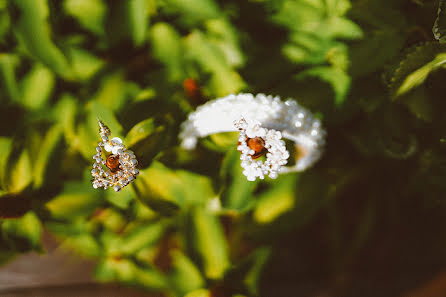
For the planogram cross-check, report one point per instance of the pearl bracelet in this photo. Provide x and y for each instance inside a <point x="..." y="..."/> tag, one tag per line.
<point x="262" y="122"/>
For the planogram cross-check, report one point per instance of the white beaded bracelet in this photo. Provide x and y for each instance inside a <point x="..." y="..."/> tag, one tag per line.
<point x="262" y="121"/>
<point x="120" y="166"/>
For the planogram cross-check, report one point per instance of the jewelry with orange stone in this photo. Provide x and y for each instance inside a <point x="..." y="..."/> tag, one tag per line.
<point x="262" y="121"/>
<point x="119" y="168"/>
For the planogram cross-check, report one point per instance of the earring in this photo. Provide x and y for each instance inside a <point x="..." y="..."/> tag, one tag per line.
<point x="119" y="167"/>
<point x="262" y="122"/>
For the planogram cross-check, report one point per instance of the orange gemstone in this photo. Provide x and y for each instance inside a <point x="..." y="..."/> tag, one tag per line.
<point x="258" y="145"/>
<point x="112" y="163"/>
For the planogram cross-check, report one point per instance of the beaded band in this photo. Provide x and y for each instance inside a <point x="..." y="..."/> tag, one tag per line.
<point x="120" y="165"/>
<point x="246" y="112"/>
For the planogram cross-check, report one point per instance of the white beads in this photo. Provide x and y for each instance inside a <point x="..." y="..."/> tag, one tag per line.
<point x="288" y="119"/>
<point x="275" y="158"/>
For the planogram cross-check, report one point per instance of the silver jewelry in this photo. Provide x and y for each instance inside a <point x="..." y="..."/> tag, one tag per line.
<point x="261" y="117"/>
<point x="119" y="168"/>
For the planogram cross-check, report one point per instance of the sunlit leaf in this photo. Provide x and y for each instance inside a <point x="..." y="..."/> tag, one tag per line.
<point x="163" y="189"/>
<point x="280" y="198"/>
<point x="37" y="87"/>
<point x="194" y="11"/>
<point x="47" y="163"/>
<point x="419" y="76"/>
<point x="112" y="269"/>
<point x="136" y="239"/>
<point x="65" y="113"/>
<point x="168" y="49"/>
<point x="23" y="234"/>
<point x="32" y="29"/>
<point x="76" y="200"/>
<point x="127" y="21"/>
<point x="5" y="149"/>
<point x="199" y="293"/>
<point x="85" y="65"/>
<point x="21" y="174"/>
<point x="89" y="13"/>
<point x="237" y="191"/>
<point x="184" y="275"/>
<point x="206" y="238"/>
<point x="224" y="79"/>
<point x="414" y="68"/>
<point x="8" y="65"/>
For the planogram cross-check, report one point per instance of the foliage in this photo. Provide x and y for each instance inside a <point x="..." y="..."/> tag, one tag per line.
<point x="191" y="225"/>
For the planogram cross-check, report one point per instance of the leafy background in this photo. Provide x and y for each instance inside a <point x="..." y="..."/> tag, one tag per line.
<point x="367" y="220"/>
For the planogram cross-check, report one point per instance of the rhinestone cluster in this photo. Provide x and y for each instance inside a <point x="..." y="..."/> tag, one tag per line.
<point x="292" y="120"/>
<point x="276" y="153"/>
<point x="119" y="169"/>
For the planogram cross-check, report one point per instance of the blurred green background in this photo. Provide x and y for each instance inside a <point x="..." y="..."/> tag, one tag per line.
<point x="367" y="220"/>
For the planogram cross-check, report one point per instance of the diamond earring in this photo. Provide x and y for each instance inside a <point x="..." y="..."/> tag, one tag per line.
<point x="119" y="167"/>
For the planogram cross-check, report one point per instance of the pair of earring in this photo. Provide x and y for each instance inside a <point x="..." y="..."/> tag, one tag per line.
<point x="262" y="121"/>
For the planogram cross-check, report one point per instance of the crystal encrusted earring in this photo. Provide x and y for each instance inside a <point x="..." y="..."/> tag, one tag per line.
<point x="262" y="122"/>
<point x="119" y="167"/>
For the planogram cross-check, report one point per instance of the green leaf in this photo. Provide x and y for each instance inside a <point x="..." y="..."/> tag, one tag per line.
<point x="21" y="175"/>
<point x="338" y="79"/>
<point x="112" y="95"/>
<point x="439" y="28"/>
<point x="414" y="68"/>
<point x="199" y="293"/>
<point x="247" y="273"/>
<point x="163" y="189"/>
<point x="184" y="276"/>
<point x="148" y="138"/>
<point x="279" y="199"/>
<point x="8" y="63"/>
<point x="237" y="194"/>
<point x="126" y="271"/>
<point x="207" y="240"/>
<point x="419" y="76"/>
<point x="89" y="13"/>
<point x="84" y="244"/>
<point x="77" y="200"/>
<point x="5" y="149"/>
<point x="140" y="131"/>
<point x="212" y="60"/>
<point x="65" y="113"/>
<point x="168" y="49"/>
<point x="193" y="11"/>
<point x="224" y="36"/>
<point x="127" y="21"/>
<point x="23" y="234"/>
<point x="419" y="104"/>
<point x="32" y="30"/>
<point x="221" y="142"/>
<point x="37" y="87"/>
<point x="136" y="239"/>
<point x="85" y="64"/>
<point x="121" y="199"/>
<point x="47" y="162"/>
<point x="383" y="40"/>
